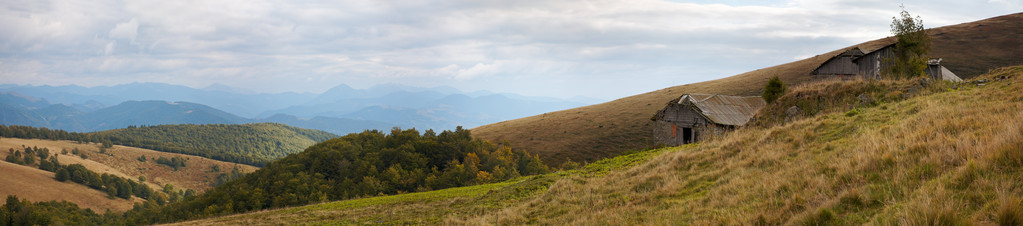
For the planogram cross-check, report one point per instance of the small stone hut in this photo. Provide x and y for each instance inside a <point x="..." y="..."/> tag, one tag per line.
<point x="696" y="117"/>
<point x="936" y="71"/>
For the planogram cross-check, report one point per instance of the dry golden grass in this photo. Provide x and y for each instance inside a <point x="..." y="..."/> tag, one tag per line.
<point x="123" y="161"/>
<point x="942" y="158"/>
<point x="603" y="130"/>
<point x="37" y="186"/>
<point x="971" y="49"/>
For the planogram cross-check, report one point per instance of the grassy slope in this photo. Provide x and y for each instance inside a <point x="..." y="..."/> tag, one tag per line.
<point x="38" y="185"/>
<point x="123" y="161"/>
<point x="951" y="156"/>
<point x="430" y="207"/>
<point x="608" y="129"/>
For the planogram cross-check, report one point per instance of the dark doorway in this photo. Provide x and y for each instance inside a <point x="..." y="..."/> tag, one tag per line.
<point x="687" y="135"/>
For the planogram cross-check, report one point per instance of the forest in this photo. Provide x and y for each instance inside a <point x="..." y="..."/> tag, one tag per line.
<point x="361" y="165"/>
<point x="250" y="144"/>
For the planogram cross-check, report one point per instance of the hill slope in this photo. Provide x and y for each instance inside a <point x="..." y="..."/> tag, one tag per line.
<point x="359" y="165"/>
<point x="35" y="184"/>
<point x="948" y="158"/>
<point x="38" y="185"/>
<point x="254" y="144"/>
<point x="157" y="113"/>
<point x="608" y="129"/>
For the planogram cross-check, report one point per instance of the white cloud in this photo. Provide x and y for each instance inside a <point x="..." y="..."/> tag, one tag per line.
<point x="555" y="47"/>
<point x="127" y="30"/>
<point x="109" y="49"/>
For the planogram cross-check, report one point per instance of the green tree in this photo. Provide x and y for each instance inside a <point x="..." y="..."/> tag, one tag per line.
<point x="774" y="89"/>
<point x="77" y="176"/>
<point x="911" y="48"/>
<point x="62" y="175"/>
<point x="124" y="189"/>
<point x="111" y="191"/>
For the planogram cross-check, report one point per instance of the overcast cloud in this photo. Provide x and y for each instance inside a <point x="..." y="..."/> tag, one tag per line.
<point x="602" y="49"/>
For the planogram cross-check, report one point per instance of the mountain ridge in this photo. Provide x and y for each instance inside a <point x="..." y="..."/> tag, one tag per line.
<point x="338" y="110"/>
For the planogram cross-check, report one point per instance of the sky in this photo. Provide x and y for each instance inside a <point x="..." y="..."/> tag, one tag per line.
<point x="598" y="49"/>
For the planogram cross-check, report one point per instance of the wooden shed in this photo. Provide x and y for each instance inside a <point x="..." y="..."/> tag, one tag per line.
<point x="871" y="64"/>
<point x="695" y="117"/>
<point x="841" y="66"/>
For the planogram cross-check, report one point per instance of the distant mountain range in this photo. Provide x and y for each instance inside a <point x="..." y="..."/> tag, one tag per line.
<point x="340" y="110"/>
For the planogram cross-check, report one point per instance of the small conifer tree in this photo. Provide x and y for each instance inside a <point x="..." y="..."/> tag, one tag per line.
<point x="774" y="89"/>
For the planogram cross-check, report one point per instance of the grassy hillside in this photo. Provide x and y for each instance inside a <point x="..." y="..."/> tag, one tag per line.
<point x="608" y="129"/>
<point x="37" y="185"/>
<point x="943" y="156"/>
<point x="254" y="144"/>
<point x="197" y="174"/>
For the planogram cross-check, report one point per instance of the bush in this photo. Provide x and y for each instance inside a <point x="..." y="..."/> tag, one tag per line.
<point x="62" y="175"/>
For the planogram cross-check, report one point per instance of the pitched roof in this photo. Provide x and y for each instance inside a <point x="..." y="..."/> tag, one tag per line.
<point x="851" y="53"/>
<point x="725" y="110"/>
<point x="878" y="50"/>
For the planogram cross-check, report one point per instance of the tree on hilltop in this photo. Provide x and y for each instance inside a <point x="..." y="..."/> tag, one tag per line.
<point x="911" y="48"/>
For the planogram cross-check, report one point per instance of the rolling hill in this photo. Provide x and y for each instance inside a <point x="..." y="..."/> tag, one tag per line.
<point x="603" y="130"/>
<point x="157" y="113"/>
<point x="17" y="109"/>
<point x="254" y="144"/>
<point x="59" y="116"/>
<point x="38" y="185"/>
<point x="93" y="98"/>
<point x="359" y="165"/>
<point x="947" y="154"/>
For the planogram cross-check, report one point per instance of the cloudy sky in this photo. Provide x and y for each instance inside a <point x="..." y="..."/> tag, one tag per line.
<point x="601" y="49"/>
